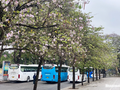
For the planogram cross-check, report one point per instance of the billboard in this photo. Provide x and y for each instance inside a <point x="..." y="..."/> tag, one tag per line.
<point x="5" y="67"/>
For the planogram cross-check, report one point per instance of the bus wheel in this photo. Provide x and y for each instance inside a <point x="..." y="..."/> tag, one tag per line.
<point x="28" y="79"/>
<point x="48" y="81"/>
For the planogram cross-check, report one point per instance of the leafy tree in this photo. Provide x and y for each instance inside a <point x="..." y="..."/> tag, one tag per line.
<point x="28" y="25"/>
<point x="113" y="40"/>
<point x="6" y="56"/>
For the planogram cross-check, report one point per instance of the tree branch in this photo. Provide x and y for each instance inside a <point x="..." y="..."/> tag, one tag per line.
<point x="7" y="4"/>
<point x="35" y="27"/>
<point x="13" y="49"/>
<point x="19" y="8"/>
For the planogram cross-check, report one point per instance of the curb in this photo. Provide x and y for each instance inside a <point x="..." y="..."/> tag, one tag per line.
<point x="1" y="81"/>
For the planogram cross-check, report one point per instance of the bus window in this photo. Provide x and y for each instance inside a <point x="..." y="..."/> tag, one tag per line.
<point x="56" y="69"/>
<point x="28" y="69"/>
<point x="71" y="69"/>
<point x="13" y="67"/>
<point x="22" y="69"/>
<point x="48" y="67"/>
<point x="63" y="69"/>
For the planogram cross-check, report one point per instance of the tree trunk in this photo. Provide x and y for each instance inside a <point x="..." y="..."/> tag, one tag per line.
<point x="99" y="74"/>
<point x="38" y="69"/>
<point x="88" y="76"/>
<point x="20" y="51"/>
<point x="59" y="74"/>
<point x="103" y="72"/>
<point x="81" y="72"/>
<point x="73" y="74"/>
<point x="2" y="45"/>
<point x="14" y="56"/>
<point x="25" y="60"/>
<point x="96" y="74"/>
<point x="93" y="74"/>
<point x="19" y="57"/>
<point x="73" y="77"/>
<point x="82" y="77"/>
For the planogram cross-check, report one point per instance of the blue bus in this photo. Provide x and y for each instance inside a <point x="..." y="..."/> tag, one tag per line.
<point x="49" y="73"/>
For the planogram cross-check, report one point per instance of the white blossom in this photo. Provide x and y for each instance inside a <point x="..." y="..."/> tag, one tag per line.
<point x="49" y="34"/>
<point x="54" y="1"/>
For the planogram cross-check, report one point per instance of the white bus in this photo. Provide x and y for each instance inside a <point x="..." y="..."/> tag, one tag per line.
<point x="22" y="72"/>
<point x="78" y="75"/>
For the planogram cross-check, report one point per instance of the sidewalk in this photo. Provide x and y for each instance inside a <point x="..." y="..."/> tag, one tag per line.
<point x="0" y="77"/>
<point x="108" y="83"/>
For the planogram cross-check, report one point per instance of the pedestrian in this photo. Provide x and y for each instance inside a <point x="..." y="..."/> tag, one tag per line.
<point x="34" y="78"/>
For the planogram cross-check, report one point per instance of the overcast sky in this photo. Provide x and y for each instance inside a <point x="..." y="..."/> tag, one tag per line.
<point x="106" y="13"/>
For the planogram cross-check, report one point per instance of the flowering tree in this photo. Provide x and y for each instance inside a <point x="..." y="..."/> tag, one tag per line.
<point x="28" y="24"/>
<point x="17" y="15"/>
<point x="87" y="46"/>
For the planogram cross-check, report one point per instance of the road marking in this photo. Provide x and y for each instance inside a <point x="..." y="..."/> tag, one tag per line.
<point x="113" y="84"/>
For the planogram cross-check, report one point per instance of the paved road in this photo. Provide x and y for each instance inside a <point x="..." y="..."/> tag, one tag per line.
<point x="109" y="83"/>
<point x="41" y="85"/>
<point x="29" y="85"/>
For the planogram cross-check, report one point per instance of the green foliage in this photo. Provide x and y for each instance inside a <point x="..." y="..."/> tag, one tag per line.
<point x="118" y="56"/>
<point x="5" y="57"/>
<point x="53" y="32"/>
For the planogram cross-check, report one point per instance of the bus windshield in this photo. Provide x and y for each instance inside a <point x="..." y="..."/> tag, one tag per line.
<point x="48" y="67"/>
<point x="13" y="67"/>
<point x="71" y="69"/>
